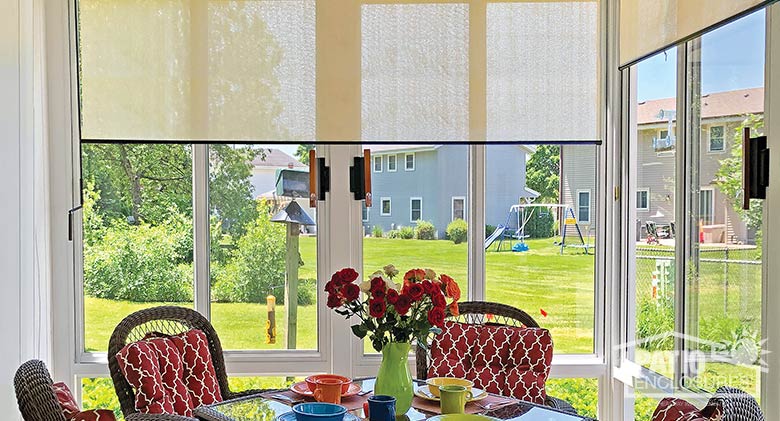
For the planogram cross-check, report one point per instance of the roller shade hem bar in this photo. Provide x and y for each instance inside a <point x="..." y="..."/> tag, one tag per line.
<point x="698" y="34"/>
<point x="340" y="142"/>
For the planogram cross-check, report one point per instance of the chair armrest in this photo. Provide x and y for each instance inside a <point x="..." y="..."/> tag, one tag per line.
<point x="158" y="417"/>
<point x="560" y="404"/>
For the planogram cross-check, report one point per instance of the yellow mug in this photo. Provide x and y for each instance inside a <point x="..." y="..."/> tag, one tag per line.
<point x="454" y="398"/>
<point x="328" y="390"/>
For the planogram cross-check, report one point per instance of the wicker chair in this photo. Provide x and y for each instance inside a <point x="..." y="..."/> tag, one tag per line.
<point x="34" y="393"/>
<point x="475" y="313"/>
<point x="168" y="320"/>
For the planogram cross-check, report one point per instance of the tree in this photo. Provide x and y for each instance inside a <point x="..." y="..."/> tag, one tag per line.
<point x="543" y="172"/>
<point x="728" y="178"/>
<point x="302" y="153"/>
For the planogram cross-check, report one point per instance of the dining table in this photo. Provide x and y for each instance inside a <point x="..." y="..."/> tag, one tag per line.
<point x="267" y="406"/>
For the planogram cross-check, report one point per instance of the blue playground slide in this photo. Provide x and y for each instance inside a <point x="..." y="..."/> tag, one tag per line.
<point x="497" y="233"/>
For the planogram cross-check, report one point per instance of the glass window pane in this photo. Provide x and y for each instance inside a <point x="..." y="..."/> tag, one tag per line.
<point x="137" y="233"/>
<point x="99" y="393"/>
<point x="172" y="69"/>
<point x="415" y="71"/>
<point x="652" y="242"/>
<point x="582" y="394"/>
<point x="430" y="240"/>
<point x="538" y="252"/>
<point x="542" y="70"/>
<point x="256" y="263"/>
<point x="725" y="272"/>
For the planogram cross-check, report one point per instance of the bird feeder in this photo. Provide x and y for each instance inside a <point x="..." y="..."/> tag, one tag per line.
<point x="293" y="216"/>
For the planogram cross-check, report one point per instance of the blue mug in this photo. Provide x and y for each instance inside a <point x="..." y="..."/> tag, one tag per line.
<point x="381" y="408"/>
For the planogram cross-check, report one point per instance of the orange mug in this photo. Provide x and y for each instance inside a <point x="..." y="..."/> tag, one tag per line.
<point x="328" y="390"/>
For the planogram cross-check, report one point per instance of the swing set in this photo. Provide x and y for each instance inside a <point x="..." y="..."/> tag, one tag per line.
<point x="523" y="213"/>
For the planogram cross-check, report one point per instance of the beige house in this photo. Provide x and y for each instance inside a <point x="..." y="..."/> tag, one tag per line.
<point x="721" y="113"/>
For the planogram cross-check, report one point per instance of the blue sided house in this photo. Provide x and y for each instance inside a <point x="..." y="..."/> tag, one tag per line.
<point x="430" y="182"/>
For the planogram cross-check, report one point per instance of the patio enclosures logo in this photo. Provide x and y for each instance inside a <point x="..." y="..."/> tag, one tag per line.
<point x="705" y="365"/>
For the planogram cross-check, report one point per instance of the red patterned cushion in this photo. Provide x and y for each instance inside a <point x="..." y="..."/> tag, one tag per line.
<point x="513" y="361"/>
<point x="66" y="400"/>
<point x="95" y="415"/>
<point x="673" y="409"/>
<point x="199" y="374"/>
<point x="140" y="364"/>
<point x="172" y="375"/>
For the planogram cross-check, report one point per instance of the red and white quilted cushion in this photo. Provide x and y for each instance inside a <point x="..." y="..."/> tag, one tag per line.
<point x="66" y="400"/>
<point x="172" y="375"/>
<point x="140" y="364"/>
<point x="95" y="415"/>
<point x="512" y="361"/>
<point x="674" y="409"/>
<point x="199" y="375"/>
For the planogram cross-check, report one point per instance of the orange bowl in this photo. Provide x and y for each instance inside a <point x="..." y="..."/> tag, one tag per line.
<point x="311" y="381"/>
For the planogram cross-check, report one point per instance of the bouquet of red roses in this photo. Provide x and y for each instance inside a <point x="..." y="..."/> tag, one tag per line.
<point x="391" y="312"/>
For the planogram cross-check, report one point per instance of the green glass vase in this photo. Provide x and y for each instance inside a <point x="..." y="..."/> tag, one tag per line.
<point x="394" y="377"/>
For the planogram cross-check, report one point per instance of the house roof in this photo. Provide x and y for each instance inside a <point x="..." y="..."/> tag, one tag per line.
<point x="276" y="158"/>
<point x="718" y="104"/>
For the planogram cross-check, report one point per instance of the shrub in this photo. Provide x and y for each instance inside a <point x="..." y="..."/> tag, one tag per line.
<point x="406" y="233"/>
<point x="425" y="230"/>
<point x="655" y="319"/>
<point x="258" y="265"/>
<point x="457" y="231"/>
<point x="377" y="231"/>
<point x="540" y="225"/>
<point x="307" y="292"/>
<point x="393" y="234"/>
<point x="140" y="263"/>
<point x="489" y="229"/>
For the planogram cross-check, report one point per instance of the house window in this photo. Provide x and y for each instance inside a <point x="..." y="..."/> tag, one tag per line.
<point x="392" y="163"/>
<point x="365" y="212"/>
<point x="643" y="200"/>
<point x="378" y="163"/>
<point x="664" y="142"/>
<point x="409" y="162"/>
<point x="458" y="208"/>
<point x="583" y="206"/>
<point x="385" y="206"/>
<point x="706" y="206"/>
<point x="415" y="209"/>
<point x="717" y="141"/>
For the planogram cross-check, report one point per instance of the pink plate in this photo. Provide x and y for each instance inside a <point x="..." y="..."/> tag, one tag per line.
<point x="302" y="389"/>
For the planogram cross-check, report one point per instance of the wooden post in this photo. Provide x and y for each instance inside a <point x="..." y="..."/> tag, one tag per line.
<point x="291" y="284"/>
<point x="270" y="325"/>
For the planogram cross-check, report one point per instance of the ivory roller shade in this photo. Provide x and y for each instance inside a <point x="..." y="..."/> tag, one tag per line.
<point x="649" y="26"/>
<point x="367" y="71"/>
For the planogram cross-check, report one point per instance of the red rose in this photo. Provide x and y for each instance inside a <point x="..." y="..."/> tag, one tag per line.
<point x="331" y="287"/>
<point x="428" y="287"/>
<point x="378" y="293"/>
<point x="392" y="296"/>
<point x="351" y="292"/>
<point x="451" y="288"/>
<point x="403" y="304"/>
<point x="438" y="300"/>
<point x="436" y="316"/>
<point x="334" y="301"/>
<point x="415" y="291"/>
<point x="377" y="284"/>
<point x="349" y="275"/>
<point x="414" y="275"/>
<point x="376" y="308"/>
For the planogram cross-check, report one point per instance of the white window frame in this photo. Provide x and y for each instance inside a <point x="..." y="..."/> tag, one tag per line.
<point x="411" y="209"/>
<point x="647" y="208"/>
<point x="452" y="207"/>
<point x="709" y="139"/>
<point x="393" y="168"/>
<point x="382" y="206"/>
<point x="711" y="192"/>
<point x="380" y="161"/>
<point x="338" y="251"/>
<point x="406" y="161"/>
<point x="590" y="207"/>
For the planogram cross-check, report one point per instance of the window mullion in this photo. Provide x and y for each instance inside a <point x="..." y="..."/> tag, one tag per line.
<point x="200" y="223"/>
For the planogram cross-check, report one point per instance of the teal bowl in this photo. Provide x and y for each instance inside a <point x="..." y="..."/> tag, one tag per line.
<point x="319" y="411"/>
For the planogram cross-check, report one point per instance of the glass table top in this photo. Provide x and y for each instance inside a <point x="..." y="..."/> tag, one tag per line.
<point x="259" y="408"/>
